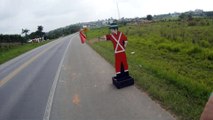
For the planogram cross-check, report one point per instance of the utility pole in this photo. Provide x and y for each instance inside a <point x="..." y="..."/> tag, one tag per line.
<point x="118" y="9"/>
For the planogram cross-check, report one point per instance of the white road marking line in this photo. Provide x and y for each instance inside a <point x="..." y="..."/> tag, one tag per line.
<point x="22" y="66"/>
<point x="53" y="88"/>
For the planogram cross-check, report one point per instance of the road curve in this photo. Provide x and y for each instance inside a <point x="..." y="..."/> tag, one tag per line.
<point x="26" y="81"/>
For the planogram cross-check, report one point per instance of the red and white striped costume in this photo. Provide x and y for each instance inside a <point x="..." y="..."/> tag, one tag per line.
<point x="118" y="41"/>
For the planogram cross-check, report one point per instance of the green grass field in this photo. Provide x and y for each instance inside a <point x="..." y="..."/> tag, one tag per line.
<point x="173" y="62"/>
<point x="9" y="53"/>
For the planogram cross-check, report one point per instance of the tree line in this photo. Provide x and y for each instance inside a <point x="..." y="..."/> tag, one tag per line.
<point x="17" y="38"/>
<point x="8" y="41"/>
<point x="11" y="38"/>
<point x="63" y="31"/>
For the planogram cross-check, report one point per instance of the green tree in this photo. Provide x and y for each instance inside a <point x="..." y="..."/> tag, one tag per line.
<point x="25" y="32"/>
<point x="40" y="28"/>
<point x="185" y="16"/>
<point x="149" y="17"/>
<point x="189" y="17"/>
<point x="39" y="31"/>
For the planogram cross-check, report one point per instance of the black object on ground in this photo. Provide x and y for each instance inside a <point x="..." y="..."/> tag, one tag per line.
<point x="123" y="82"/>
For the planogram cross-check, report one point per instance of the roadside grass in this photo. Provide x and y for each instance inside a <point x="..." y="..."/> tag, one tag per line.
<point x="172" y="62"/>
<point x="10" y="53"/>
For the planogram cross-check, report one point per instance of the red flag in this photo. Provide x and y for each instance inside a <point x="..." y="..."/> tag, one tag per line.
<point x="82" y="37"/>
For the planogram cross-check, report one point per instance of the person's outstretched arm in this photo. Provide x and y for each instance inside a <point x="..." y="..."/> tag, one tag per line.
<point x="103" y="38"/>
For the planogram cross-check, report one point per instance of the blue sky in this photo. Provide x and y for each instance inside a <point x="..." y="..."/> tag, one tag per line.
<point x="52" y="14"/>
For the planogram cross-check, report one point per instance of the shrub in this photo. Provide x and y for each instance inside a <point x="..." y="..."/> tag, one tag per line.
<point x="172" y="47"/>
<point x="192" y="23"/>
<point x="210" y="55"/>
<point x="194" y="50"/>
<point x="204" y="43"/>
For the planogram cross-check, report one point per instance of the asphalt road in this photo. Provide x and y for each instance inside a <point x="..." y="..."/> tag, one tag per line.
<point x="67" y="80"/>
<point x="25" y="81"/>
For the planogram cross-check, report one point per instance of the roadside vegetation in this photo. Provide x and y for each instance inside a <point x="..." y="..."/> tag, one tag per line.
<point x="15" y="45"/>
<point x="171" y="60"/>
<point x="16" y="50"/>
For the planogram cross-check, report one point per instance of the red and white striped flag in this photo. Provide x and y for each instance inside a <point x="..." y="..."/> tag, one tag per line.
<point x="82" y="37"/>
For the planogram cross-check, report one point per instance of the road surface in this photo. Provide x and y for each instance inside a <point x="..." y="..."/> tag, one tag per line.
<point x="66" y="80"/>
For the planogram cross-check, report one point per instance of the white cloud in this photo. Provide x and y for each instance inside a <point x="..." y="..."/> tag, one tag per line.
<point x="18" y="14"/>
